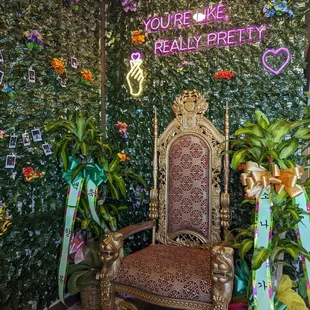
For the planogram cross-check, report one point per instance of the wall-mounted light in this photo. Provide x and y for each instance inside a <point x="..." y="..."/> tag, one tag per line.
<point x="135" y="76"/>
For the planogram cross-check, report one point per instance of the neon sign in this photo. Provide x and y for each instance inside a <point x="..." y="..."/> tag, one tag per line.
<point x="274" y="53"/>
<point x="212" y="14"/>
<point x="135" y="75"/>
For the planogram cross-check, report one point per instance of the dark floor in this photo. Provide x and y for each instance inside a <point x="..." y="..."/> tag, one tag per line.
<point x="141" y="305"/>
<point x="145" y="306"/>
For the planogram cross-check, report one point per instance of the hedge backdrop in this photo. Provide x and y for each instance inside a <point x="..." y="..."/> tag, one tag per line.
<point x="30" y="249"/>
<point x="253" y="87"/>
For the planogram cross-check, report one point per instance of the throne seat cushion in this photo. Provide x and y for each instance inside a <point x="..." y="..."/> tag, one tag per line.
<point x="169" y="271"/>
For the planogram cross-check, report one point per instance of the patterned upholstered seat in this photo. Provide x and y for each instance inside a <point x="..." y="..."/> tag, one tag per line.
<point x="170" y="271"/>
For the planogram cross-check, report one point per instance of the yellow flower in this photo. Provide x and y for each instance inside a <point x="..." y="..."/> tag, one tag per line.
<point x="123" y="157"/>
<point x="87" y="75"/>
<point x="58" y="65"/>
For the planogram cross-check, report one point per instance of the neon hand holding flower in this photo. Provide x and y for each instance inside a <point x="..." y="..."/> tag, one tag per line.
<point x="135" y="76"/>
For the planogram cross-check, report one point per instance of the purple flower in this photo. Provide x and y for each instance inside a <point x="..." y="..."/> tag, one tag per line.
<point x="129" y="5"/>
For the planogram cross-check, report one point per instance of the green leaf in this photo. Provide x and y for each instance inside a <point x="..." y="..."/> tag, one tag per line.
<point x="77" y="170"/>
<point x="290" y="149"/>
<point x="80" y="125"/>
<point x="72" y="268"/>
<point x="73" y="287"/>
<point x="294" y="213"/>
<point x="246" y="245"/>
<point x="302" y="287"/>
<point x="276" y="251"/>
<point x="243" y="131"/>
<point x="259" y="257"/>
<point x="279" y="129"/>
<point x="238" y="158"/>
<point x="261" y="119"/>
<point x="301" y="133"/>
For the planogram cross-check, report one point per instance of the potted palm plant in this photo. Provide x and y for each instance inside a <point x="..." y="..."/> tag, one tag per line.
<point x="83" y="153"/>
<point x="267" y="146"/>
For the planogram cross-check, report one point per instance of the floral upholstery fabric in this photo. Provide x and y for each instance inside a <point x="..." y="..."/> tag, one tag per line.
<point x="169" y="271"/>
<point x="188" y="185"/>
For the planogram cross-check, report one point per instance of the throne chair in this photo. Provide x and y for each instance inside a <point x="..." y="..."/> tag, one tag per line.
<point x="187" y="266"/>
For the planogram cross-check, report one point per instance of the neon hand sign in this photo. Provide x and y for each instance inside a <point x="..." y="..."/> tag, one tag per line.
<point x="135" y="76"/>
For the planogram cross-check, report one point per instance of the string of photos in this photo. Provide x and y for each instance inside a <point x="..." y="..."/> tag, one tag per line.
<point x="58" y="65"/>
<point x="36" y="135"/>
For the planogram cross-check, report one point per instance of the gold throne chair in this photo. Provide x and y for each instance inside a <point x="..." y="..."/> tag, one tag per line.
<point x="187" y="266"/>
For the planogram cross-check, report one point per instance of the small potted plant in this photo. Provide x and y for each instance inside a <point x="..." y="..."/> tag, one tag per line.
<point x="265" y="153"/>
<point x="85" y="155"/>
<point x="83" y="277"/>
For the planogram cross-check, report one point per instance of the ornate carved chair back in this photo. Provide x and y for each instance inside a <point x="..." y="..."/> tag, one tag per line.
<point x="188" y="165"/>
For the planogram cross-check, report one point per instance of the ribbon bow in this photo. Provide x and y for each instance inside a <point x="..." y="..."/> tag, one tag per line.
<point x="287" y="180"/>
<point x="94" y="173"/>
<point x="288" y="296"/>
<point x="67" y="175"/>
<point x="255" y="178"/>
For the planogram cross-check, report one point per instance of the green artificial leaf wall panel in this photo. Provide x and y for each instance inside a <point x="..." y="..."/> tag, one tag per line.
<point x="253" y="87"/>
<point x="29" y="250"/>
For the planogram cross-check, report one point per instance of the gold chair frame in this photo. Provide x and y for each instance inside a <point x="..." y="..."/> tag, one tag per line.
<point x="189" y="109"/>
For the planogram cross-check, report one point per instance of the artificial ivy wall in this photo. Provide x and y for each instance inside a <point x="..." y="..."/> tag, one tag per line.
<point x="29" y="250"/>
<point x="252" y="87"/>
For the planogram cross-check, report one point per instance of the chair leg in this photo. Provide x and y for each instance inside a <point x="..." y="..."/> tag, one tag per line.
<point x="121" y="304"/>
<point x="111" y="255"/>
<point x="107" y="295"/>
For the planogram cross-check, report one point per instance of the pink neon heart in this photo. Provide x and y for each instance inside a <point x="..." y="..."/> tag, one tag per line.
<point x="276" y="52"/>
<point x="135" y="56"/>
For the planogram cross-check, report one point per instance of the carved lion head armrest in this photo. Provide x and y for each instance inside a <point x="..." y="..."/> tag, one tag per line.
<point x="111" y="254"/>
<point x="222" y="266"/>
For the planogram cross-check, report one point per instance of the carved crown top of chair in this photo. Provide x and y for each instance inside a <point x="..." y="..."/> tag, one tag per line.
<point x="190" y="102"/>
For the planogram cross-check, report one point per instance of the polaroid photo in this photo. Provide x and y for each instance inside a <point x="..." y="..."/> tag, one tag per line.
<point x="74" y="63"/>
<point x="62" y="81"/>
<point x="1" y="76"/>
<point x="10" y="161"/>
<point x="36" y="135"/>
<point x="31" y="75"/>
<point x="46" y="149"/>
<point x="13" y="141"/>
<point x="26" y="139"/>
<point x="1" y="57"/>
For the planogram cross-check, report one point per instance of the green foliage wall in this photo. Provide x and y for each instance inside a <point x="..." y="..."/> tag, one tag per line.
<point x="29" y="251"/>
<point x="252" y="88"/>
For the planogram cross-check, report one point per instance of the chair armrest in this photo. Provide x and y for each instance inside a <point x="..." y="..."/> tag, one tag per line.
<point x="111" y="248"/>
<point x="222" y="270"/>
<point x="133" y="229"/>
